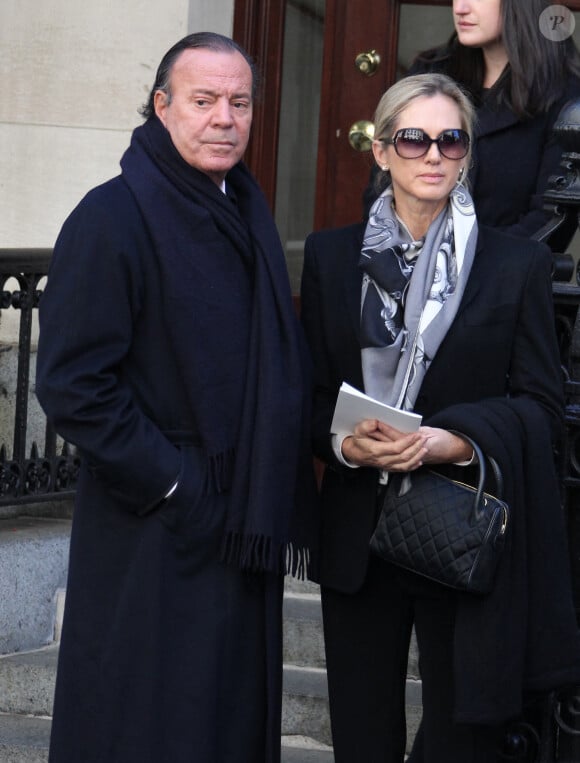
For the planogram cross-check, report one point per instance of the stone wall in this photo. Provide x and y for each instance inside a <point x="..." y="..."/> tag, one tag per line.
<point x="73" y="76"/>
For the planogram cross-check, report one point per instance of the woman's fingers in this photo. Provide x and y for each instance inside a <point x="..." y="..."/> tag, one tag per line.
<point x="371" y="445"/>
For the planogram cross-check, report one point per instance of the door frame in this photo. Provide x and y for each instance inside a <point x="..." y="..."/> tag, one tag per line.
<point x="259" y="29"/>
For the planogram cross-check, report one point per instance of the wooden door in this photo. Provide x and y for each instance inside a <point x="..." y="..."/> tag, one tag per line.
<point x="349" y="95"/>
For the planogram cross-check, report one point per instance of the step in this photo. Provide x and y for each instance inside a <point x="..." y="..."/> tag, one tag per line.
<point x="24" y="739"/>
<point x="33" y="568"/>
<point x="27" y="686"/>
<point x="303" y="633"/>
<point x="305" y="703"/>
<point x="305" y="700"/>
<point x="300" y="749"/>
<point x="295" y="585"/>
<point x="27" y="681"/>
<point x="413" y="710"/>
<point x="303" y="637"/>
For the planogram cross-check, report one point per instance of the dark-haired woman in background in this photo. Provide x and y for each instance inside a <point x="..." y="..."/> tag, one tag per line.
<point x="518" y="80"/>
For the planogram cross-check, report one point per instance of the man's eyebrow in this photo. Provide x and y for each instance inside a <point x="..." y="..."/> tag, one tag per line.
<point x="208" y="91"/>
<point x="202" y="91"/>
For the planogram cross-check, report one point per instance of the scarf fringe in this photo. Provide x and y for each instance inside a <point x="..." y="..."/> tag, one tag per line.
<point x="298" y="561"/>
<point x="257" y="553"/>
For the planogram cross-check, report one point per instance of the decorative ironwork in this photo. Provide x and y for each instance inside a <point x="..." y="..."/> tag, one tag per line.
<point x="29" y="478"/>
<point x="521" y="744"/>
<point x="562" y="199"/>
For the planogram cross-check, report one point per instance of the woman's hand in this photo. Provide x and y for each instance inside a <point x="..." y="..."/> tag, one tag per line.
<point x="443" y="447"/>
<point x="380" y="445"/>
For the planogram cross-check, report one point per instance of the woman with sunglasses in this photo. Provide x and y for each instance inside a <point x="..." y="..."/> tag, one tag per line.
<point x="519" y="78"/>
<point x="426" y="310"/>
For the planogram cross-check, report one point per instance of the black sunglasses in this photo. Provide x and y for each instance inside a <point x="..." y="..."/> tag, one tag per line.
<point x="411" y="143"/>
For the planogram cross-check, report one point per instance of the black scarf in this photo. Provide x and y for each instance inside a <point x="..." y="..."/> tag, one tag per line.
<point x="253" y="430"/>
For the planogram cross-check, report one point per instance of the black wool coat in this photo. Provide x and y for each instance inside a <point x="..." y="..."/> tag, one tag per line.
<point x="161" y="640"/>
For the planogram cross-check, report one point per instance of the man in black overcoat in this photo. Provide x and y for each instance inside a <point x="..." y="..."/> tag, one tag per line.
<point x="170" y="355"/>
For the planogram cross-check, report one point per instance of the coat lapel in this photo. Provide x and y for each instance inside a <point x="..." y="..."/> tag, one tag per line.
<point x="352" y="282"/>
<point x="493" y="120"/>
<point x="351" y="293"/>
<point x="473" y="285"/>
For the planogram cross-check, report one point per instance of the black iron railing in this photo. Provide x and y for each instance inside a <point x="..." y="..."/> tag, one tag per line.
<point x="562" y="200"/>
<point x="30" y="470"/>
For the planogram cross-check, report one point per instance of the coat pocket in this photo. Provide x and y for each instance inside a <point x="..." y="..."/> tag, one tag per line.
<point x="185" y="504"/>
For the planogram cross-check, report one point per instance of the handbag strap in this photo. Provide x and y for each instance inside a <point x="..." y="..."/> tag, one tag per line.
<point x="498" y="476"/>
<point x="481" y="458"/>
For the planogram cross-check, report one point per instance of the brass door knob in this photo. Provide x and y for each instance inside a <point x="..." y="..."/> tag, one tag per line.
<point x="367" y="63"/>
<point x="361" y="134"/>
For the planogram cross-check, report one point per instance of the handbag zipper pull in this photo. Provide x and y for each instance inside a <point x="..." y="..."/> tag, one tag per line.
<point x="504" y="522"/>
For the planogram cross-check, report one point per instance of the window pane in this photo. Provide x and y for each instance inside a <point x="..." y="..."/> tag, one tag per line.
<point x="421" y="27"/>
<point x="298" y="142"/>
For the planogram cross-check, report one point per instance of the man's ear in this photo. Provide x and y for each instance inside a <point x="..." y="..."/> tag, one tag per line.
<point x="160" y="104"/>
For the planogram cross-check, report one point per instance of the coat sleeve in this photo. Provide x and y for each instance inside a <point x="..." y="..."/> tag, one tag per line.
<point x="516" y="152"/>
<point x="334" y="357"/>
<point x="536" y="369"/>
<point x="88" y="313"/>
<point x="534" y="217"/>
<point x="325" y="390"/>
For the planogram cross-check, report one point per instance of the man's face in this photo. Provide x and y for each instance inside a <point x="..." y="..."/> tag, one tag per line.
<point x="210" y="111"/>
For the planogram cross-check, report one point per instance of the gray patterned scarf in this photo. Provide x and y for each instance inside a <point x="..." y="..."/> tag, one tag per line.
<point x="411" y="291"/>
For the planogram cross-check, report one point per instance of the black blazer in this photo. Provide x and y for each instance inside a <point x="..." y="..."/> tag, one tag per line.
<point x="501" y="342"/>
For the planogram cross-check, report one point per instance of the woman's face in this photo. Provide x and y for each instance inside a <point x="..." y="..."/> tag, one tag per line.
<point x="478" y="23"/>
<point x="423" y="184"/>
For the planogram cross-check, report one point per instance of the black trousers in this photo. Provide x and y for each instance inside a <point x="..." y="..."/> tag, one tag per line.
<point x="367" y="637"/>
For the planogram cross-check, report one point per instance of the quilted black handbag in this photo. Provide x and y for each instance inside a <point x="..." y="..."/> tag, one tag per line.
<point x="443" y="529"/>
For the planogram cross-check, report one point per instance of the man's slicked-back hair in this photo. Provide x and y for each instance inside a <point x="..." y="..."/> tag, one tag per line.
<point x="208" y="40"/>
